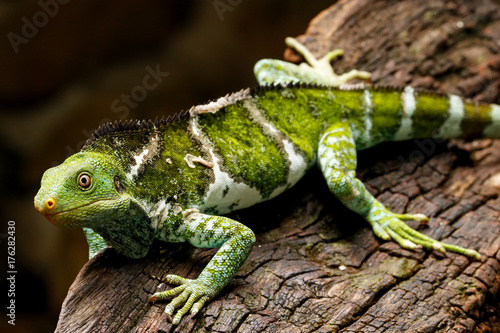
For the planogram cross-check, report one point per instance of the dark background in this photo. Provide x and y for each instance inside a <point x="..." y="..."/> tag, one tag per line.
<point x="61" y="79"/>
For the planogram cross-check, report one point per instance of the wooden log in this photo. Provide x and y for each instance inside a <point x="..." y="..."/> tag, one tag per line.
<point x="316" y="267"/>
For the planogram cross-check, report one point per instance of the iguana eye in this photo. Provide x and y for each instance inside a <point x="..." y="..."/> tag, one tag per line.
<point x="84" y="181"/>
<point x="118" y="186"/>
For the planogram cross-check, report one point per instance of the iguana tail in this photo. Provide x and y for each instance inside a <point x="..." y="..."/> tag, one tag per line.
<point x="387" y="114"/>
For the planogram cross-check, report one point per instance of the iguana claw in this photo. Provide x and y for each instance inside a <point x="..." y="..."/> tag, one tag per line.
<point x="192" y="293"/>
<point x="387" y="225"/>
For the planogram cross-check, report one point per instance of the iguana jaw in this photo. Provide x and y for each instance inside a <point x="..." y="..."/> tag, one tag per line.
<point x="67" y="217"/>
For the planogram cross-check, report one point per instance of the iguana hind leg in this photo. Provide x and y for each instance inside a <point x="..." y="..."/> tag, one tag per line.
<point x="337" y="160"/>
<point x="317" y="71"/>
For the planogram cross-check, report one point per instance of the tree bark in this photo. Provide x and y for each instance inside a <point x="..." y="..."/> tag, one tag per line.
<point x="317" y="267"/>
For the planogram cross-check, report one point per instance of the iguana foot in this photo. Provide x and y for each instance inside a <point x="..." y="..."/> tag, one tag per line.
<point x="317" y="71"/>
<point x="192" y="293"/>
<point x="387" y="225"/>
<point x="323" y="66"/>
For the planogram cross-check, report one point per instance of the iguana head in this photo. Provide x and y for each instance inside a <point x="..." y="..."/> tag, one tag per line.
<point x="83" y="190"/>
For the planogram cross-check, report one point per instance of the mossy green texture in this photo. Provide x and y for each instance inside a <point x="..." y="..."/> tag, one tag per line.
<point x="295" y="112"/>
<point x="170" y="173"/>
<point x="247" y="154"/>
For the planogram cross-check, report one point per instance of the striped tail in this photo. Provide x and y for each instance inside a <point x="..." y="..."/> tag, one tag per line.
<point x="393" y="115"/>
<point x="431" y="115"/>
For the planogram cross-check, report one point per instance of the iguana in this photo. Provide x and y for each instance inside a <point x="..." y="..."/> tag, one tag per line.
<point x="173" y="179"/>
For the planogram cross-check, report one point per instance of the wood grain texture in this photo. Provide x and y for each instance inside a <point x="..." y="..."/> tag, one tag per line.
<point x="316" y="267"/>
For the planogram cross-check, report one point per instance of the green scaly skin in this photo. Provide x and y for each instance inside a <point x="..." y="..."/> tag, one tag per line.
<point x="171" y="180"/>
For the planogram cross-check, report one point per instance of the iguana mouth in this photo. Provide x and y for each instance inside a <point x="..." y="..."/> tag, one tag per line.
<point x="57" y="218"/>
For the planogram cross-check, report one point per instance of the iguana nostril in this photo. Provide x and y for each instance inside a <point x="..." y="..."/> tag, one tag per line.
<point x="50" y="203"/>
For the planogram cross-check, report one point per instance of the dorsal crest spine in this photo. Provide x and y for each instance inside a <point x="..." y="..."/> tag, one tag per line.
<point x="134" y="125"/>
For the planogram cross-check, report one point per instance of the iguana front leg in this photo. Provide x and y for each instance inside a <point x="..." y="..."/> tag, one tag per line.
<point x="337" y="160"/>
<point x="235" y="241"/>
<point x="316" y="71"/>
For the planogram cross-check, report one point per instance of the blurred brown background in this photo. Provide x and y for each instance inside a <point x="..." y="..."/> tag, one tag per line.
<point x="67" y="66"/>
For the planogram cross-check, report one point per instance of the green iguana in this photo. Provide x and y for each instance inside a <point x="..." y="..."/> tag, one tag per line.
<point x="172" y="179"/>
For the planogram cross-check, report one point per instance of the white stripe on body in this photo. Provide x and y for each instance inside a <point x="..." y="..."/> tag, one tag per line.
<point x="297" y="163"/>
<point x="158" y="213"/>
<point x="224" y="101"/>
<point x="150" y="150"/>
<point x="493" y="129"/>
<point x="452" y="128"/>
<point x="224" y="194"/>
<point x="405" y="130"/>
<point x="367" y="117"/>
